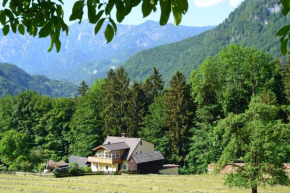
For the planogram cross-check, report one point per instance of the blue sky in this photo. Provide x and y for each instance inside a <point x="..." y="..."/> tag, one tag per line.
<point x="200" y="13"/>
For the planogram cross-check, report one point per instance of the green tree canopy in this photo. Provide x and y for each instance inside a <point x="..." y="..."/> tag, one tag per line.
<point x="13" y="145"/>
<point x="258" y="139"/>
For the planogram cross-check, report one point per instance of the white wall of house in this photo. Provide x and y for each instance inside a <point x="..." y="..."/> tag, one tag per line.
<point x="97" y="167"/>
<point x="144" y="147"/>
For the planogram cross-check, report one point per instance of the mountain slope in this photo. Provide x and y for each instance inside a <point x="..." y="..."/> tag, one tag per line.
<point x="84" y="55"/>
<point x="253" y="23"/>
<point x="14" y="80"/>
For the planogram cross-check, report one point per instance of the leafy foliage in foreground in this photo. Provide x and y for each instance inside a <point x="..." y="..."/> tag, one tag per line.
<point x="46" y="18"/>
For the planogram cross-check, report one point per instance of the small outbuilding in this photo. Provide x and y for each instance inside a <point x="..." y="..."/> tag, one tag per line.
<point x="146" y="163"/>
<point x="169" y="169"/>
<point x="81" y="161"/>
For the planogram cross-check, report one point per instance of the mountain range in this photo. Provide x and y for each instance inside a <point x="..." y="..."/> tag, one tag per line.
<point x="253" y="23"/>
<point x="84" y="55"/>
<point x="14" y="80"/>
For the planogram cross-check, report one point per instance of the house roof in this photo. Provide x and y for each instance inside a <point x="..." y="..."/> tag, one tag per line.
<point x="51" y="164"/>
<point x="131" y="142"/>
<point x="114" y="146"/>
<point x="148" y="157"/>
<point x="170" y="166"/>
<point x="81" y="161"/>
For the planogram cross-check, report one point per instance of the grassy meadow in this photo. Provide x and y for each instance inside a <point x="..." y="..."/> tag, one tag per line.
<point x="124" y="183"/>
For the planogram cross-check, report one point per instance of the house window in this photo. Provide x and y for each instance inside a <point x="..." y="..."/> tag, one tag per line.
<point x="100" y="154"/>
<point x="141" y="143"/>
<point x="116" y="154"/>
<point x="107" y="167"/>
<point x="140" y="152"/>
<point x="108" y="154"/>
<point x="124" y="167"/>
<point x="136" y="152"/>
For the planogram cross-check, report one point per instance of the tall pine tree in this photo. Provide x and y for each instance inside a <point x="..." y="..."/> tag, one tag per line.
<point x="83" y="88"/>
<point x="136" y="110"/>
<point x="115" y="102"/>
<point x="179" y="117"/>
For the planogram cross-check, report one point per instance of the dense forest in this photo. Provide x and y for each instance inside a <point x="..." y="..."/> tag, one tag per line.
<point x="235" y="107"/>
<point x="253" y="23"/>
<point x="14" y="80"/>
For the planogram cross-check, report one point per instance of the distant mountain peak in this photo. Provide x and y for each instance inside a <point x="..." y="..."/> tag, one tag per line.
<point x="82" y="49"/>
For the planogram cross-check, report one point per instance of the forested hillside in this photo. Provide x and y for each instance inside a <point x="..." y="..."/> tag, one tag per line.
<point x="253" y="23"/>
<point x="14" y="80"/>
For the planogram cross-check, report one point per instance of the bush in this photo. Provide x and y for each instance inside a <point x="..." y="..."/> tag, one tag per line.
<point x="73" y="165"/>
<point x="73" y="170"/>
<point x="86" y="169"/>
<point x="3" y="168"/>
<point x="41" y="167"/>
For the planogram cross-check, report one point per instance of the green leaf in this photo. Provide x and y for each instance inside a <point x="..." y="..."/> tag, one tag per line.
<point x="165" y="11"/>
<point x="4" y="3"/>
<point x="177" y="15"/>
<point x="100" y="5"/>
<point x="57" y="45"/>
<point x="77" y="12"/>
<point x="120" y="11"/>
<point x="51" y="42"/>
<point x="65" y="28"/>
<point x="146" y="8"/>
<point x="13" y="27"/>
<point x="286" y="6"/>
<point x="99" y="15"/>
<point x="284" y="47"/>
<point x="109" y="33"/>
<point x="5" y="30"/>
<point x="99" y="25"/>
<point x="136" y="3"/>
<point x="91" y="12"/>
<point x="45" y="30"/>
<point x="283" y="31"/>
<point x="21" y="29"/>
<point x="2" y="17"/>
<point x="110" y="6"/>
<point x="113" y="24"/>
<point x="183" y="5"/>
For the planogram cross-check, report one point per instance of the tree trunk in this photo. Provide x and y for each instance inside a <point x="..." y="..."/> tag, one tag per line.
<point x="255" y="190"/>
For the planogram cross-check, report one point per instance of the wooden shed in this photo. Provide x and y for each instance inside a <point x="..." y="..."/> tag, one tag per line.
<point x="146" y="163"/>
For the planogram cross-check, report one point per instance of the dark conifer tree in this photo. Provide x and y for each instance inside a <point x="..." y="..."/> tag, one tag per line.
<point x="115" y="102"/>
<point x="179" y="117"/>
<point x="136" y="110"/>
<point x="153" y="86"/>
<point x="82" y="89"/>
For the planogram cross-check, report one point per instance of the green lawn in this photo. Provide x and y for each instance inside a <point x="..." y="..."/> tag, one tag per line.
<point x="124" y="183"/>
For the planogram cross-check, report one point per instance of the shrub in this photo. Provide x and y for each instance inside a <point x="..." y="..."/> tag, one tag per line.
<point x="41" y="167"/>
<point x="3" y="168"/>
<point x="73" y="165"/>
<point x="73" y="170"/>
<point x="86" y="169"/>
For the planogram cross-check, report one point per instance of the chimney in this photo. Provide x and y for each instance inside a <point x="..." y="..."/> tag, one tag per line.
<point x="123" y="135"/>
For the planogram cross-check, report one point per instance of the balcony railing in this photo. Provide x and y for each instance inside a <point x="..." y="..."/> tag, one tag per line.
<point x="104" y="160"/>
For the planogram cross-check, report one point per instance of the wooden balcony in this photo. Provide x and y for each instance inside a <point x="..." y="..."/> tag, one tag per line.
<point x="104" y="160"/>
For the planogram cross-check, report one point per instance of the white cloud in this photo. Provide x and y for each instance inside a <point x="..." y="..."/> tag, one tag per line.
<point x="236" y="3"/>
<point x="206" y="3"/>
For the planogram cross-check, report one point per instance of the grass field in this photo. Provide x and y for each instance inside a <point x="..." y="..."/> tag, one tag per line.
<point x="123" y="183"/>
